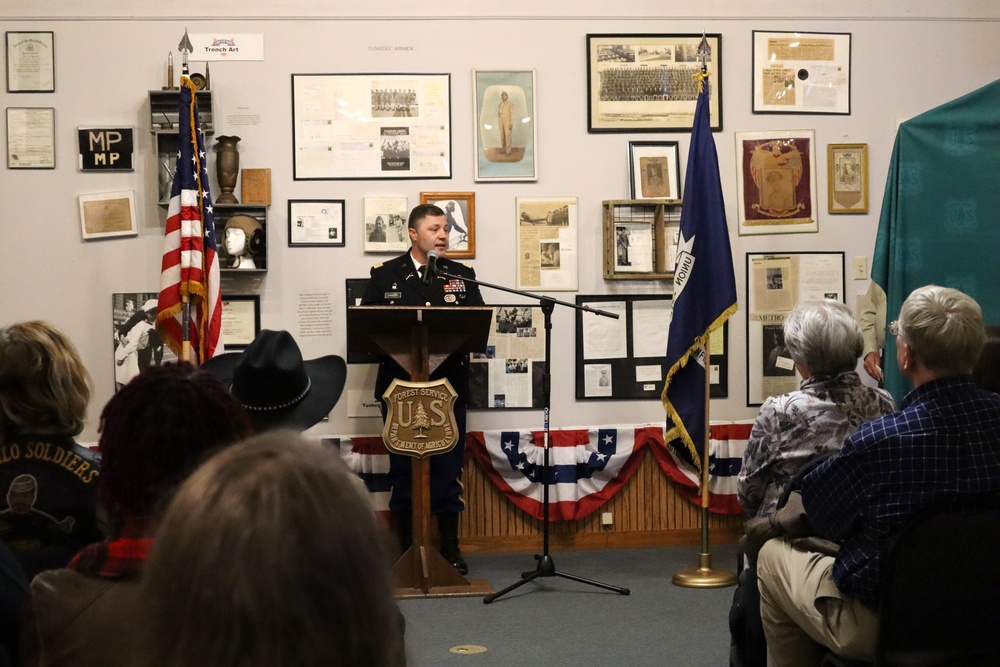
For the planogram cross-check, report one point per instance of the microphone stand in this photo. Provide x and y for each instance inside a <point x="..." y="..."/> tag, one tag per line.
<point x="546" y="567"/>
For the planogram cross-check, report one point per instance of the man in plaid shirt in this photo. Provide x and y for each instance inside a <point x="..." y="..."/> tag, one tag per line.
<point x="942" y="446"/>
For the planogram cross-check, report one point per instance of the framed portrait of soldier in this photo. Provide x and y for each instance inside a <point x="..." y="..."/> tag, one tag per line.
<point x="654" y="170"/>
<point x="506" y="138"/>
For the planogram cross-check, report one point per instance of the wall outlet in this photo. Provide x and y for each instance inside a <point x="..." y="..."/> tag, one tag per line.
<point x="860" y="268"/>
<point x="606" y="519"/>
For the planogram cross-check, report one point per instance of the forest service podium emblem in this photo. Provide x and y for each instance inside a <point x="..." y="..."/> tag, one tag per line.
<point x="420" y="417"/>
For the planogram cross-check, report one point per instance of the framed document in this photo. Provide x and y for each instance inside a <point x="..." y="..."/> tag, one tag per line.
<point x="385" y="223"/>
<point x="801" y="72"/>
<point x="654" y="169"/>
<point x="31" y="62"/>
<point x="643" y="83"/>
<point x="31" y="138"/>
<point x="776" y="182"/>
<point x="506" y="133"/>
<point x="847" y="171"/>
<point x="547" y="256"/>
<point x="460" y="211"/>
<point x="776" y="283"/>
<point x="508" y="374"/>
<point x="240" y="320"/>
<point x="108" y="215"/>
<point x="316" y="222"/>
<point x="371" y="126"/>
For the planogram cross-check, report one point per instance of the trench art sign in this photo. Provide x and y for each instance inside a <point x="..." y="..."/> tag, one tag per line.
<point x="420" y="417"/>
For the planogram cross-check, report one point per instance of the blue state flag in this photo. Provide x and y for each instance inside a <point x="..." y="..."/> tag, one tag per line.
<point x="704" y="289"/>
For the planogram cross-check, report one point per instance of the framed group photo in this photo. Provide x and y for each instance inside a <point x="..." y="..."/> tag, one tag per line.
<point x="847" y="176"/>
<point x="801" y="72"/>
<point x="371" y="126"/>
<point x="316" y="222"/>
<point x="506" y="138"/>
<point x="460" y="212"/>
<point x="776" y="182"/>
<point x="654" y="170"/>
<point x="644" y="83"/>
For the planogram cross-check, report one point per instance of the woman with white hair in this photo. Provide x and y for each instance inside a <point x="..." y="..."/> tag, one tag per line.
<point x="825" y="343"/>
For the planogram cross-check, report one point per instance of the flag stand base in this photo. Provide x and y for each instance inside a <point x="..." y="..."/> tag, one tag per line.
<point x="704" y="576"/>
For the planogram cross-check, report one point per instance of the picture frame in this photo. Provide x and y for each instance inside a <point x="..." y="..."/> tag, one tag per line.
<point x="547" y="253"/>
<point x="776" y="182"/>
<point x="316" y="223"/>
<point x="31" y="138"/>
<point x="508" y="374"/>
<point x="137" y="345"/>
<point x="393" y="215"/>
<point x="502" y="98"/>
<point x="240" y="320"/>
<point x="643" y="82"/>
<point x="30" y="61"/>
<point x="801" y="72"/>
<point x="460" y="211"/>
<point x="108" y="215"/>
<point x="847" y="178"/>
<point x="775" y="284"/>
<point x="654" y="169"/>
<point x="371" y="126"/>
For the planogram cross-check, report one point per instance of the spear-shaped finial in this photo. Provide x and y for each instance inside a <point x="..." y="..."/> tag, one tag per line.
<point x="184" y="46"/>
<point x="704" y="51"/>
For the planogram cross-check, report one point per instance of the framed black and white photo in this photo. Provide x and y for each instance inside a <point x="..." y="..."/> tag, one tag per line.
<point x="31" y="62"/>
<point x="801" y="72"/>
<point x="137" y="345"/>
<point x="371" y="126"/>
<point x="654" y="170"/>
<point x="316" y="222"/>
<point x="643" y="83"/>
<point x="506" y="132"/>
<point x="385" y="224"/>
<point x="240" y="320"/>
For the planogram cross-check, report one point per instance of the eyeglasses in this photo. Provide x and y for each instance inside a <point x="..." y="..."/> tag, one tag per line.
<point x="894" y="327"/>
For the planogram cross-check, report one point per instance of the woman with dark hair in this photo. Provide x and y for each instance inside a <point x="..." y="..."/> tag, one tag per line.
<point x="270" y="555"/>
<point x="48" y="483"/>
<point x="154" y="432"/>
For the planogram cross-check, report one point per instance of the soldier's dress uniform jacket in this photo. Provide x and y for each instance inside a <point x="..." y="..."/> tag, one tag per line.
<point x="397" y="283"/>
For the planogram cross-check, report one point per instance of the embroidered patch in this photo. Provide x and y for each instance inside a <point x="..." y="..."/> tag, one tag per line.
<point x="455" y="287"/>
<point x="393" y="295"/>
<point x="450" y="298"/>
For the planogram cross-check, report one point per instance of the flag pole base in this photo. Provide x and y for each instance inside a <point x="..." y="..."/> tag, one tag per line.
<point x="704" y="576"/>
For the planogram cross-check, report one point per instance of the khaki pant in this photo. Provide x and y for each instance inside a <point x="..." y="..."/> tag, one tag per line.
<point x="803" y="610"/>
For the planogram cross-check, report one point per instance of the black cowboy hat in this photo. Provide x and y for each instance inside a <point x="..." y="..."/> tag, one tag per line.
<point x="276" y="386"/>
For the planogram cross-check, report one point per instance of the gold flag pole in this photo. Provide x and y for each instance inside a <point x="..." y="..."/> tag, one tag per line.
<point x="704" y="576"/>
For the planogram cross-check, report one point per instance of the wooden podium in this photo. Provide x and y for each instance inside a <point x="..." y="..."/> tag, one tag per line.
<point x="420" y="339"/>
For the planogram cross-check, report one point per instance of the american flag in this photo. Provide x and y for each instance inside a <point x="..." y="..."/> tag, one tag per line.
<point x="190" y="253"/>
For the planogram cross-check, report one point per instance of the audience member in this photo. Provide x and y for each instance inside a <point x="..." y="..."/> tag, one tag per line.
<point x="942" y="446"/>
<point x="269" y="555"/>
<point x="824" y="342"/>
<point x="276" y="386"/>
<point x="986" y="374"/>
<point x="48" y="483"/>
<point x="154" y="432"/>
<point x="13" y="590"/>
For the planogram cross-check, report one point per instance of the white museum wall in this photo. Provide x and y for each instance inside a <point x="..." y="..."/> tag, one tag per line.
<point x="906" y="59"/>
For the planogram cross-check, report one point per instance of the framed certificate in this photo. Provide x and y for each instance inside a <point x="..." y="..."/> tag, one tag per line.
<point x="316" y="222"/>
<point x="31" y="62"/>
<point x="240" y="320"/>
<point x="107" y="215"/>
<point x="31" y="138"/>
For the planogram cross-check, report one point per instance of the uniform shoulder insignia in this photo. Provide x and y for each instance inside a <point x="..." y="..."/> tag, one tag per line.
<point x="378" y="266"/>
<point x="466" y="265"/>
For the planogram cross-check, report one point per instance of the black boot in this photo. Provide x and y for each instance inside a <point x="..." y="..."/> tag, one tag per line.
<point x="448" y="530"/>
<point x="404" y="531"/>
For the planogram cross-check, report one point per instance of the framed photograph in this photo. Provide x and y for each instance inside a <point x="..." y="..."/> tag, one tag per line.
<point x="506" y="136"/>
<point x="385" y="224"/>
<point x="776" y="182"/>
<point x="108" y="215"/>
<point x="547" y="255"/>
<point x="801" y="72"/>
<point x="31" y="138"/>
<point x="776" y="283"/>
<point x="371" y="126"/>
<point x="508" y="374"/>
<point x="240" y="320"/>
<point x="316" y="222"/>
<point x="643" y="83"/>
<point x="137" y="345"/>
<point x="460" y="211"/>
<point x="31" y="62"/>
<point x="654" y="169"/>
<point x="847" y="173"/>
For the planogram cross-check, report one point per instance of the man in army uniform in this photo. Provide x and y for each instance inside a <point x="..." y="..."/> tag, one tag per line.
<point x="399" y="282"/>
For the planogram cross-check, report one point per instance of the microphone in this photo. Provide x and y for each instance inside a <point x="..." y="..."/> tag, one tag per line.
<point x="431" y="268"/>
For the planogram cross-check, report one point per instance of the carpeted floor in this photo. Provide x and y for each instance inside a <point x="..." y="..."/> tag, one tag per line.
<point x="553" y="621"/>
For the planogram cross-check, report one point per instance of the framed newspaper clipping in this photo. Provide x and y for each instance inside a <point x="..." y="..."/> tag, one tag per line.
<point x="371" y="126"/>
<point x="643" y="83"/>
<point x="802" y="72"/>
<point x="547" y="256"/>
